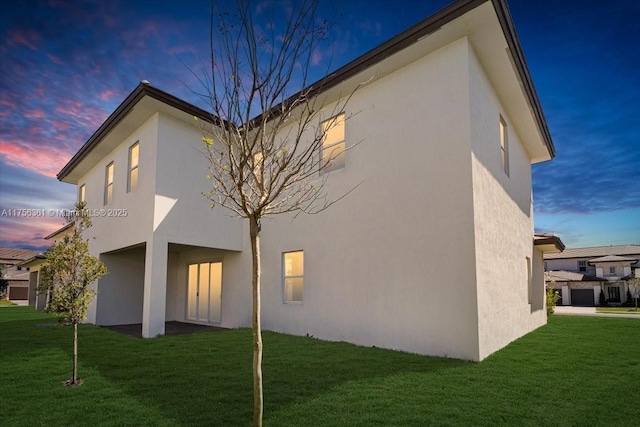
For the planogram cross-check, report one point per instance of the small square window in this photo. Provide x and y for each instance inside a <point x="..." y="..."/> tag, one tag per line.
<point x="293" y="276"/>
<point x="582" y="266"/>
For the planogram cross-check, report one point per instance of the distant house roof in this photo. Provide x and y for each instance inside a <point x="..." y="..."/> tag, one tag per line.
<point x="12" y="256"/>
<point x="570" y="276"/>
<point x="596" y="252"/>
<point x="15" y="277"/>
<point x="613" y="258"/>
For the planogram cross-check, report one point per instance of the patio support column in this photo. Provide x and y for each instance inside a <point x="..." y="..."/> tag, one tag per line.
<point x="155" y="288"/>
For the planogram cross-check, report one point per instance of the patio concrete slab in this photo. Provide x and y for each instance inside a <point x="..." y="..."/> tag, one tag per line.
<point x="170" y="328"/>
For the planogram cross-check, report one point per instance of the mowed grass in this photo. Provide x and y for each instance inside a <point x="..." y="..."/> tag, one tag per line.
<point x="576" y="371"/>
<point x="618" y="310"/>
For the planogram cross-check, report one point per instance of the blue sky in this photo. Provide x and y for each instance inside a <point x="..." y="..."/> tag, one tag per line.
<point x="66" y="65"/>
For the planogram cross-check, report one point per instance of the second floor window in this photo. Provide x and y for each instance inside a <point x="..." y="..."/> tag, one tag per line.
<point x="134" y="155"/>
<point x="612" y="270"/>
<point x="82" y="194"/>
<point x="333" y="144"/>
<point x="108" y="184"/>
<point x="582" y="265"/>
<point x="504" y="146"/>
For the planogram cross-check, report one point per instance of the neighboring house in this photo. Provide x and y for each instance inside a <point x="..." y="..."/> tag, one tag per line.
<point x="581" y="273"/>
<point x="15" y="274"/>
<point x="433" y="253"/>
<point x="33" y="265"/>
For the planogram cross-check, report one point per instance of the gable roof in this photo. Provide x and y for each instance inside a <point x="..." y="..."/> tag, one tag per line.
<point x="596" y="251"/>
<point x="143" y="90"/>
<point x="571" y="276"/>
<point x="400" y="42"/>
<point x="15" y="256"/>
<point x="613" y="258"/>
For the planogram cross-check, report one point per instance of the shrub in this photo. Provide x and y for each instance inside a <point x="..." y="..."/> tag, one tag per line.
<point x="552" y="299"/>
<point x="603" y="300"/>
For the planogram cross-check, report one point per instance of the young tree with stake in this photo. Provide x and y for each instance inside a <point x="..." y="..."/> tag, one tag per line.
<point x="67" y="276"/>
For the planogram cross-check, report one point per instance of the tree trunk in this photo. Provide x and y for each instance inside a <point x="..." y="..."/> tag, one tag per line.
<point x="74" y="376"/>
<point x="254" y="231"/>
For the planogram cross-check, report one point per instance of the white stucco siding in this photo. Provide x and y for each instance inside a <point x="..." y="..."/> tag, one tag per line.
<point x="392" y="264"/>
<point x="503" y="221"/>
<point x="114" y="231"/>
<point x="181" y="213"/>
<point x="134" y="225"/>
<point x="120" y="292"/>
<point x="236" y="284"/>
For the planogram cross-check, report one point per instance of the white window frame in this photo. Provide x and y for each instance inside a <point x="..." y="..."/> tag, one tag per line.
<point x="582" y="266"/>
<point x="133" y="168"/>
<point x="504" y="145"/>
<point x="285" y="277"/>
<point x="326" y="125"/>
<point x="108" y="185"/>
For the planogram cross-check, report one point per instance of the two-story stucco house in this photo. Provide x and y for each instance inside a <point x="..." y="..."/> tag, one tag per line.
<point x="581" y="273"/>
<point x="434" y="252"/>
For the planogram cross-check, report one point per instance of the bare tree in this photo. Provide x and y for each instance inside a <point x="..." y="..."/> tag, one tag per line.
<point x="265" y="142"/>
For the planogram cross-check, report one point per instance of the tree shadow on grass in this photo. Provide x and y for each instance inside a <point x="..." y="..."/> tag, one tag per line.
<point x="206" y="378"/>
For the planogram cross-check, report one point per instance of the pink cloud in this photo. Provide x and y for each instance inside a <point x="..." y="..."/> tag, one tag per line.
<point x="47" y="162"/>
<point x="60" y="126"/>
<point x="31" y="230"/>
<point x="316" y="57"/>
<point x="107" y="94"/>
<point x="88" y="116"/>
<point x="8" y="104"/>
<point x="55" y="59"/>
<point x="28" y="38"/>
<point x="35" y="114"/>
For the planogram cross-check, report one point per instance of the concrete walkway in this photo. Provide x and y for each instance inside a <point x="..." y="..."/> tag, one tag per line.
<point x="567" y="310"/>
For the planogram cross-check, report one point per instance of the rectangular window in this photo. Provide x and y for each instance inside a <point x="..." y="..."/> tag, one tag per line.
<point x="82" y="194"/>
<point x="293" y="276"/>
<point x="612" y="270"/>
<point x="613" y="294"/>
<point x="529" y="281"/>
<point x="108" y="184"/>
<point x="132" y="181"/>
<point x="333" y="143"/>
<point x="582" y="265"/>
<point x="504" y="146"/>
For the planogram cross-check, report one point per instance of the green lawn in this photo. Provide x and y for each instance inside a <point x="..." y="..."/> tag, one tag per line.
<point x="575" y="371"/>
<point x="618" y="310"/>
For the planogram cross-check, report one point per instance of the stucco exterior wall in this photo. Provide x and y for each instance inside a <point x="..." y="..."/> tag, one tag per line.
<point x="236" y="285"/>
<point x="502" y="221"/>
<point x="120" y="292"/>
<point x="182" y="213"/>
<point x="392" y="264"/>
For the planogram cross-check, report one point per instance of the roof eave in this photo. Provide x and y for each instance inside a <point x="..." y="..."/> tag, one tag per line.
<point x="142" y="90"/>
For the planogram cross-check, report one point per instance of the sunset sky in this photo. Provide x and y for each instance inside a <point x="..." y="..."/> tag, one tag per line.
<point x="66" y="65"/>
